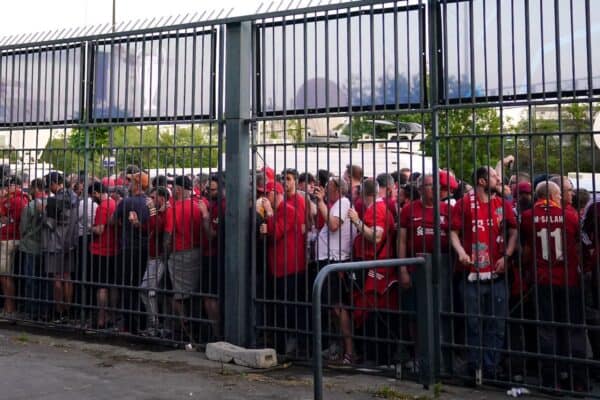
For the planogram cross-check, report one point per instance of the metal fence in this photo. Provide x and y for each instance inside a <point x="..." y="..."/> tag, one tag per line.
<point x="353" y="131"/>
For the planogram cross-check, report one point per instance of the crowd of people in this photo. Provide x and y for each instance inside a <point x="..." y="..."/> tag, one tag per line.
<point x="148" y="256"/>
<point x="118" y="245"/>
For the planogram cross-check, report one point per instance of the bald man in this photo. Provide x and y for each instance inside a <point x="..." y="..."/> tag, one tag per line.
<point x="551" y="236"/>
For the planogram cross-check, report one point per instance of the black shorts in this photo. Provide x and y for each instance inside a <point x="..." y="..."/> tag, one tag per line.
<point x="102" y="270"/>
<point x="338" y="287"/>
<point x="209" y="277"/>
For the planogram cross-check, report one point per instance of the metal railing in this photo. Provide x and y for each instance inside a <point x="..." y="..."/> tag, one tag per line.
<point x="425" y="313"/>
<point x="380" y="86"/>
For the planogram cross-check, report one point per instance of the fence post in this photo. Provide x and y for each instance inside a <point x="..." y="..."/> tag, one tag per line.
<point x="425" y="323"/>
<point x="436" y="78"/>
<point x="238" y="82"/>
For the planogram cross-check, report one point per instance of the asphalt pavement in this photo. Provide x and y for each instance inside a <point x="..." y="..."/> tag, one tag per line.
<point x="37" y="364"/>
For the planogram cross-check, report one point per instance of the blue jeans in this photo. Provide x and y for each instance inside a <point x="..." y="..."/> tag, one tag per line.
<point x="32" y="272"/>
<point x="484" y="300"/>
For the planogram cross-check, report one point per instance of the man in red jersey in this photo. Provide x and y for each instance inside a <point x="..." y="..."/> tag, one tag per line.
<point x="292" y="196"/>
<point x="182" y="243"/>
<point x="212" y="262"/>
<point x="285" y="258"/>
<point x="155" y="267"/>
<point x="103" y="248"/>
<point x="388" y="192"/>
<point x="551" y="235"/>
<point x="416" y="235"/>
<point x="479" y="221"/>
<point x="374" y="243"/>
<point x="12" y="203"/>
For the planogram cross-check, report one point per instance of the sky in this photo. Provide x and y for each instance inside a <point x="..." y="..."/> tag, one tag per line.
<point x="26" y="16"/>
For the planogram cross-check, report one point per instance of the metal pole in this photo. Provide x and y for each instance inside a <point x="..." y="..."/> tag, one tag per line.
<point x="425" y="324"/>
<point x="421" y="261"/>
<point x="435" y="78"/>
<point x="238" y="78"/>
<point x="114" y="14"/>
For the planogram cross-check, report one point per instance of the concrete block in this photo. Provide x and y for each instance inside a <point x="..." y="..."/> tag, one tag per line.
<point x="253" y="358"/>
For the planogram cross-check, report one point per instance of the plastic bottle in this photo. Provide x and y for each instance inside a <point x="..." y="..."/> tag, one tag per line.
<point x="517" y="392"/>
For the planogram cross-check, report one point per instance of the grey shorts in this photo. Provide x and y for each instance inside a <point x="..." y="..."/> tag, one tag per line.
<point x="184" y="270"/>
<point x="59" y="263"/>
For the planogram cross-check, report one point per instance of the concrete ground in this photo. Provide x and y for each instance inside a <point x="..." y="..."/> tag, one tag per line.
<point x="36" y="364"/>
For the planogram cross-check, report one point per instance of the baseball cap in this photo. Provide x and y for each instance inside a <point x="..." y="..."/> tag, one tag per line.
<point x="184" y="181"/>
<point x="269" y="173"/>
<point x="274" y="186"/>
<point x="447" y="180"/>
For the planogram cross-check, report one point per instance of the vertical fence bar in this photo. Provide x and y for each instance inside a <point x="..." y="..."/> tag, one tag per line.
<point x="425" y="323"/>
<point x="435" y="78"/>
<point x="238" y="78"/>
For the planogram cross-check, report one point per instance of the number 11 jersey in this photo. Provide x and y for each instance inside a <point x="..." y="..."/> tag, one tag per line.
<point x="556" y="234"/>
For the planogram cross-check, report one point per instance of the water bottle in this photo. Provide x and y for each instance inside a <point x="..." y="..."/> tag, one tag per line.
<point x="517" y="392"/>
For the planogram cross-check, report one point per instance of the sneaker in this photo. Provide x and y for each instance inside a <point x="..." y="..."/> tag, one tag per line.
<point x="349" y="359"/>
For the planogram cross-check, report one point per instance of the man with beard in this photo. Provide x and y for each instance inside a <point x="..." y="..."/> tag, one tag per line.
<point x="477" y="235"/>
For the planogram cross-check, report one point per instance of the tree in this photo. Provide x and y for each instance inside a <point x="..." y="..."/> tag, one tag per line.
<point x="295" y="130"/>
<point x="468" y="137"/>
<point x="548" y="145"/>
<point x="148" y="147"/>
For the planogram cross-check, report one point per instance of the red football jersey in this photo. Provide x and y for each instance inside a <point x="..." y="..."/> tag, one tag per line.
<point x="481" y="228"/>
<point x="377" y="215"/>
<point x="184" y="222"/>
<point x="556" y="233"/>
<point x="105" y="244"/>
<point x="420" y="225"/>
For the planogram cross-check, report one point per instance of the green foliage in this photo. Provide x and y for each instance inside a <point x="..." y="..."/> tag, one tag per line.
<point x="549" y="147"/>
<point x="467" y="137"/>
<point x="63" y="157"/>
<point x="11" y="155"/>
<point x="147" y="147"/>
<point x="295" y="131"/>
